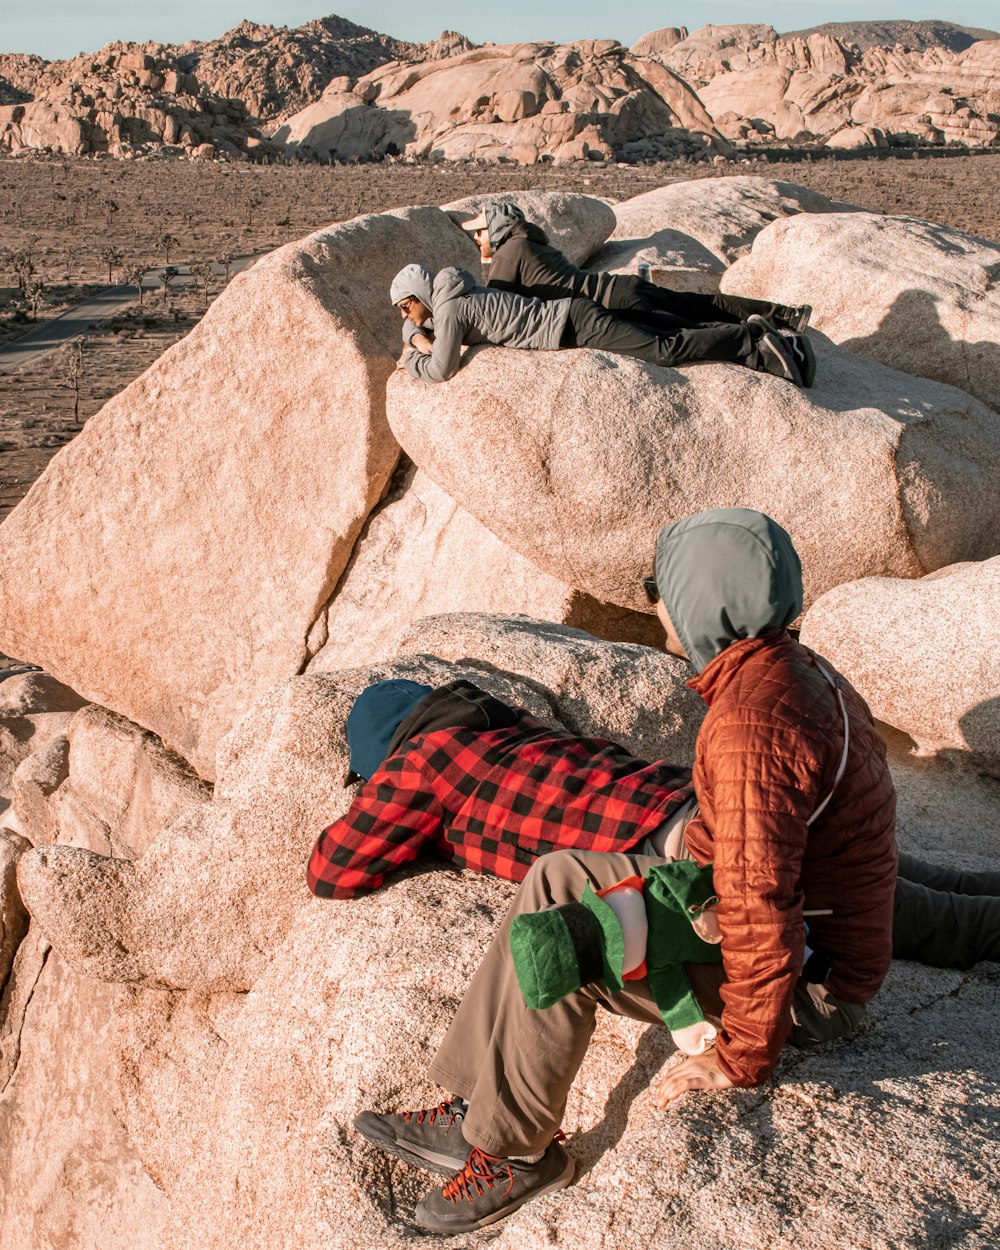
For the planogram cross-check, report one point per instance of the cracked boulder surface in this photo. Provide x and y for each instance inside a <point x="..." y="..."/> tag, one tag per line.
<point x="13" y="916"/>
<point x="172" y="559"/>
<point x="577" y="458"/>
<point x="69" y="1175"/>
<point x="915" y="295"/>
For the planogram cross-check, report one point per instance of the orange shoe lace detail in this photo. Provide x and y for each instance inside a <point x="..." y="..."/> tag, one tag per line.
<point x="432" y="1114"/>
<point x="478" y="1171"/>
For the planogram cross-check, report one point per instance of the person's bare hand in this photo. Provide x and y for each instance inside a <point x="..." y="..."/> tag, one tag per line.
<point x="695" y="1072"/>
<point x="422" y="344"/>
<point x="401" y="362"/>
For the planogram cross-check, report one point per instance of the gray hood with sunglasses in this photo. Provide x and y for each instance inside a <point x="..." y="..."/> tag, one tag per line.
<point x="466" y="313"/>
<point x="727" y="574"/>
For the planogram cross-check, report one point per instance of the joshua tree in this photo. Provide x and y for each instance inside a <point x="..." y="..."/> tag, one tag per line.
<point x="24" y="269"/>
<point x="132" y="276"/>
<point x="109" y="207"/>
<point x="253" y="202"/>
<point x="168" y="275"/>
<point x="226" y="261"/>
<point x="202" y="273"/>
<point x="111" y="256"/>
<point x="164" y="243"/>
<point x="72" y="359"/>
<point x="34" y="295"/>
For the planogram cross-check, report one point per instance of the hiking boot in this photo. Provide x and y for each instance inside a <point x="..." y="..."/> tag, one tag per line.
<point x="431" y="1138"/>
<point x="774" y="355"/>
<point x="803" y="355"/>
<point x="488" y="1189"/>
<point x="795" y="318"/>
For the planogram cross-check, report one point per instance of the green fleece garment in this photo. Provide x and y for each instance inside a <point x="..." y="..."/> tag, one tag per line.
<point x="673" y="893"/>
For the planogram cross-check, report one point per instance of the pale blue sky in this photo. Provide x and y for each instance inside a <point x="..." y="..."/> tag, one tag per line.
<point x="61" y="28"/>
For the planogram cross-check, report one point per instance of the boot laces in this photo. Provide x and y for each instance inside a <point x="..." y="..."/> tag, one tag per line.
<point x="480" y="1169"/>
<point x="431" y="1115"/>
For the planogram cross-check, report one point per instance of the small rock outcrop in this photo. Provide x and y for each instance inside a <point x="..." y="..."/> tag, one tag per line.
<point x="912" y="294"/>
<point x="924" y="653"/>
<point x="576" y="459"/>
<point x="722" y="215"/>
<point x="124" y="100"/>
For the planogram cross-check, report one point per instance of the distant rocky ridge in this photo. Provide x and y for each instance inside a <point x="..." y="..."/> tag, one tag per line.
<point x="762" y="87"/>
<point x="276" y="71"/>
<point x="912" y="36"/>
<point x="332" y="90"/>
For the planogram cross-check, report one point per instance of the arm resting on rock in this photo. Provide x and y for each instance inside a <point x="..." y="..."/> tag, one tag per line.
<point x="443" y="361"/>
<point x="393" y="817"/>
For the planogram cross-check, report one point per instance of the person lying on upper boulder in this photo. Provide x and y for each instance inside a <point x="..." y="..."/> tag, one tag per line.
<point x="517" y="256"/>
<point x="463" y="313"/>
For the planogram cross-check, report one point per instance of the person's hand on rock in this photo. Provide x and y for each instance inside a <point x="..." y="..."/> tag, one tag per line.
<point x="695" y="1072"/>
<point x="401" y="362"/>
<point x="422" y="343"/>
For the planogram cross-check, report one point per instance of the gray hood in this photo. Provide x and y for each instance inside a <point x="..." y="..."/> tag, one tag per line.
<point x="449" y="284"/>
<point x="501" y="218"/>
<point x="415" y="280"/>
<point x="727" y="574"/>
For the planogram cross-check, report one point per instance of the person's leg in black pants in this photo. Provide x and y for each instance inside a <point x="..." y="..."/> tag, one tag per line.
<point x="662" y="309"/>
<point x="945" y="917"/>
<point x="590" y="325"/>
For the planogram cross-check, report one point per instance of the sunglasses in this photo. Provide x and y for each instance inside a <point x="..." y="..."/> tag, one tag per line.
<point x="649" y="586"/>
<point x="404" y="305"/>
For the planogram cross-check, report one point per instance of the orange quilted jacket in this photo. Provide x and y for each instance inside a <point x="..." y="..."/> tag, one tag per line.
<point x="766" y="757"/>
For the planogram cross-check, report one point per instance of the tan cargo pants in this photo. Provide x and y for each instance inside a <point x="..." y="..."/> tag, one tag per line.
<point x="515" y="1066"/>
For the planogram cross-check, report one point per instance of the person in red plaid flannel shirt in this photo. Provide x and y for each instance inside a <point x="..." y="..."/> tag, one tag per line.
<point x="485" y="786"/>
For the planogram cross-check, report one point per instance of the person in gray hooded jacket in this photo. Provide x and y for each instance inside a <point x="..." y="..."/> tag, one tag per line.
<point x="458" y="312"/>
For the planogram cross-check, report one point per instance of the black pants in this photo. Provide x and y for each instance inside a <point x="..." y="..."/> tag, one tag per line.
<point x="945" y="917"/>
<point x="590" y="325"/>
<point x="664" y="311"/>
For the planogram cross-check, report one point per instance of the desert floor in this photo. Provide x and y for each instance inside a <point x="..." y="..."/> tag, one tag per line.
<point x="67" y="212"/>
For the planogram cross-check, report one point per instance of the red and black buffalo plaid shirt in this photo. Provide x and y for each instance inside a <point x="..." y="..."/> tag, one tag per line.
<point x="494" y="801"/>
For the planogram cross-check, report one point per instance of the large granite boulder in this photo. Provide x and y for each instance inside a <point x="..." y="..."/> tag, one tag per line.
<point x="724" y="215"/>
<point x="924" y="653"/>
<point x="674" y="259"/>
<point x="576" y="224"/>
<point x="171" y="561"/>
<point x="915" y="295"/>
<point x="421" y="554"/>
<point x="577" y="458"/>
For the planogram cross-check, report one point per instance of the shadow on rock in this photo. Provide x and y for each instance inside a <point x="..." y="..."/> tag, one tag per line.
<point x="912" y="339"/>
